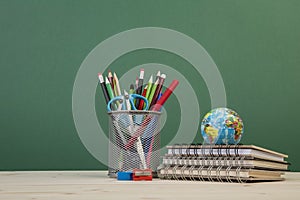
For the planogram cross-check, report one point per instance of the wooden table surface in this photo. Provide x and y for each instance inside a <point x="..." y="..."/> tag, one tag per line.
<point x="96" y="185"/>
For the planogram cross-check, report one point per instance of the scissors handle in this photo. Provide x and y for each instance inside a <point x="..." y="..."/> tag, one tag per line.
<point x="118" y="98"/>
<point x="131" y="98"/>
<point x="137" y="96"/>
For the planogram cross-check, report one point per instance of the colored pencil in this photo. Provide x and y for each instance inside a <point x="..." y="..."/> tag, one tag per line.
<point x="141" y="105"/>
<point x="150" y="83"/>
<point x="104" y="90"/>
<point x="153" y="89"/>
<point x="117" y="85"/>
<point x="110" y="78"/>
<point x="140" y="87"/>
<point x="157" y="76"/>
<point x="158" y="89"/>
<point x="131" y="89"/>
<point x="109" y="89"/>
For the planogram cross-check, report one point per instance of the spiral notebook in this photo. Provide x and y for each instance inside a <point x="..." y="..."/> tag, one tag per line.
<point x="242" y="163"/>
<point x="226" y="150"/>
<point x="249" y="162"/>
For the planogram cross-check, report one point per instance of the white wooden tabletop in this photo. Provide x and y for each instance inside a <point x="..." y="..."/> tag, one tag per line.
<point x="96" y="185"/>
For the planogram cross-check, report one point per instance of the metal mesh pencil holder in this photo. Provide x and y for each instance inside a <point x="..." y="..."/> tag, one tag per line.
<point x="134" y="141"/>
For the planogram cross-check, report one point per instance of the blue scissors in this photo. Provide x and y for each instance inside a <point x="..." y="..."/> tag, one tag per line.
<point x="127" y="101"/>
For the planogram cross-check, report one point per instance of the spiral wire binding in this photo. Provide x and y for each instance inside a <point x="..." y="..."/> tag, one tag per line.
<point x="218" y="171"/>
<point x="200" y="173"/>
<point x="188" y="162"/>
<point x="191" y="171"/>
<point x="174" y="168"/>
<point x="205" y="162"/>
<point x="184" y="161"/>
<point x="238" y="170"/>
<point x="228" y="177"/>
<point x="167" y="175"/>
<point x="181" y="169"/>
<point x="173" y="172"/>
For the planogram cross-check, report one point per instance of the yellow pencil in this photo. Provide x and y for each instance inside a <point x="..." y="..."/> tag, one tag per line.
<point x="117" y="85"/>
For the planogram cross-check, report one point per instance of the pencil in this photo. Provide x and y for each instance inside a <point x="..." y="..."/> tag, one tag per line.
<point x="131" y="90"/>
<point x="141" y="106"/>
<point x="140" y="87"/>
<point x="117" y="85"/>
<point x="104" y="90"/>
<point x="158" y="89"/>
<point x="109" y="89"/>
<point x="110" y="78"/>
<point x="150" y="82"/>
<point x="157" y="76"/>
<point x="153" y="89"/>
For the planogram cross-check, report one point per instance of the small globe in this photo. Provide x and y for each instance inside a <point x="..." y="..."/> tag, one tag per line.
<point x="222" y="126"/>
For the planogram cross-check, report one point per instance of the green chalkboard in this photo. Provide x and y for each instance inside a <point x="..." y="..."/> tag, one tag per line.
<point x="255" y="45"/>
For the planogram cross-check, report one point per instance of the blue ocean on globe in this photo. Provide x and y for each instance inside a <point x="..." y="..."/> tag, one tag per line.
<point x="222" y="126"/>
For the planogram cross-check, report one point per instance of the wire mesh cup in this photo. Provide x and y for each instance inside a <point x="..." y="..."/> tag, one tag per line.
<point x="134" y="141"/>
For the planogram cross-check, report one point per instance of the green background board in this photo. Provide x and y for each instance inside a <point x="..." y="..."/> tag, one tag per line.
<point x="254" y="43"/>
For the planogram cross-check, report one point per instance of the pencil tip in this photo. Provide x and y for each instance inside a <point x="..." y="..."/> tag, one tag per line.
<point x="151" y="78"/>
<point x="158" y="73"/>
<point x="163" y="76"/>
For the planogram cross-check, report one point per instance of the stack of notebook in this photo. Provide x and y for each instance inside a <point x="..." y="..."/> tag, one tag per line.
<point x="232" y="163"/>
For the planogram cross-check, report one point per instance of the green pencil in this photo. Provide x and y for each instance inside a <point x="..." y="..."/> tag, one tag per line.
<point x="131" y="91"/>
<point x="109" y="89"/>
<point x="150" y="83"/>
<point x="153" y="89"/>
